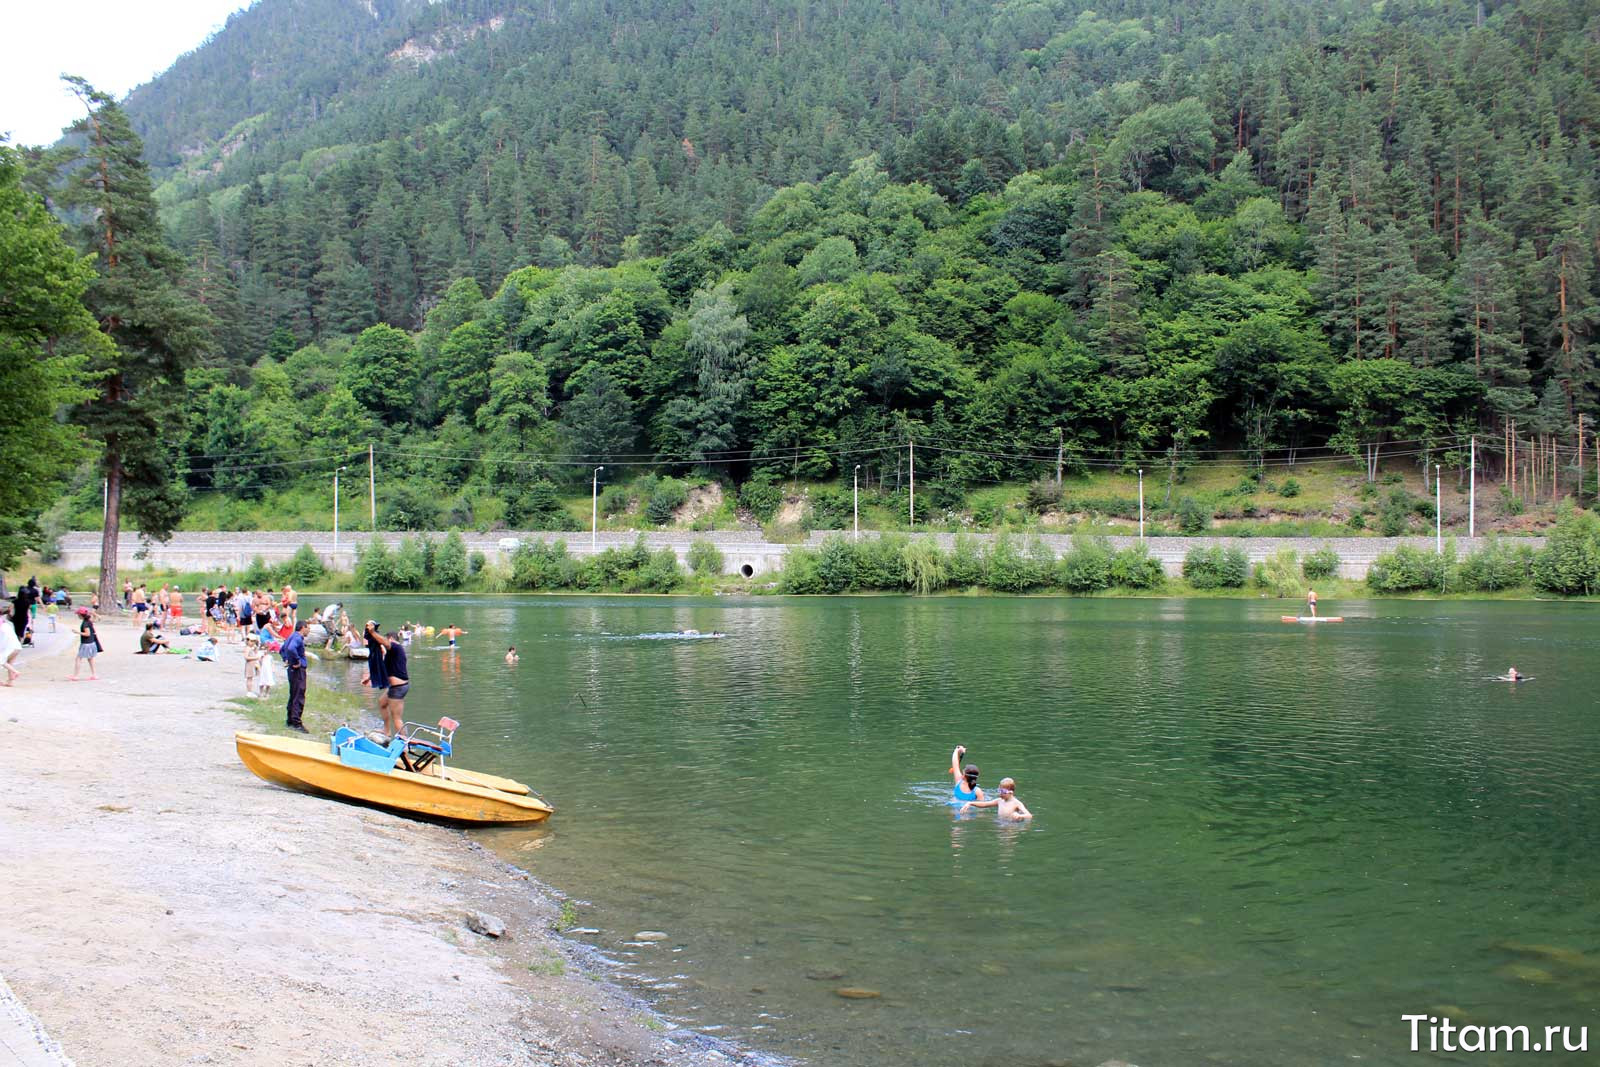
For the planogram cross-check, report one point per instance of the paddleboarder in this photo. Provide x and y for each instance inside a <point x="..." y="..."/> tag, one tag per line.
<point x="1311" y="602"/>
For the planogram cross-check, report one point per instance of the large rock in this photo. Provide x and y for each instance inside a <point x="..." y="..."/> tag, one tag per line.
<point x="483" y="923"/>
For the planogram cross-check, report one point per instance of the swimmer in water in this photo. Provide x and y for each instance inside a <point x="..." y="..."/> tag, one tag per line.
<point x="1514" y="675"/>
<point x="511" y="654"/>
<point x="966" y="789"/>
<point x="450" y="633"/>
<point x="1006" y="804"/>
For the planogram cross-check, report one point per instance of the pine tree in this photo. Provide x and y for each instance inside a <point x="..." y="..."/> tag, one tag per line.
<point x="156" y="328"/>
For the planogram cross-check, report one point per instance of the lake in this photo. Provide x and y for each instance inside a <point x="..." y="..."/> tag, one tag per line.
<point x="1254" y="843"/>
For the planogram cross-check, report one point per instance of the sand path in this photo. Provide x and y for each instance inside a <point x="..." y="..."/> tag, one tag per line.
<point x="161" y="905"/>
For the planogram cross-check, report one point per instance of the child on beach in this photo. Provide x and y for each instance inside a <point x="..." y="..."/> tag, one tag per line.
<point x="252" y="662"/>
<point x="88" y="645"/>
<point x="10" y="647"/>
<point x="265" y="678"/>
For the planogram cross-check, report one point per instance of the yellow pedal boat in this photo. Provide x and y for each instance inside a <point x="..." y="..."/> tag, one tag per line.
<point x="458" y="795"/>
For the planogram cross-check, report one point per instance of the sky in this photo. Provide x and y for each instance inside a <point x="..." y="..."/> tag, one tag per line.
<point x="115" y="44"/>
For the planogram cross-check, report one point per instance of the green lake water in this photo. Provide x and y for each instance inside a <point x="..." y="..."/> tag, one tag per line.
<point x="1254" y="843"/>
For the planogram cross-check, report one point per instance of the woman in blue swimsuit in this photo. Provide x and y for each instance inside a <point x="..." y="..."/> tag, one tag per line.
<point x="966" y="788"/>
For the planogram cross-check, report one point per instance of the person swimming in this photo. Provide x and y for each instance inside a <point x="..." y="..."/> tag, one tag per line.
<point x="450" y="633"/>
<point x="1007" y="805"/>
<point x="511" y="654"/>
<point x="965" y="789"/>
<point x="1514" y="675"/>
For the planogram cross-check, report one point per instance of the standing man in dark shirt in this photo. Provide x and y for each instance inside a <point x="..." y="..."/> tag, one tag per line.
<point x="393" y="704"/>
<point x="294" y="662"/>
<point x="377" y="673"/>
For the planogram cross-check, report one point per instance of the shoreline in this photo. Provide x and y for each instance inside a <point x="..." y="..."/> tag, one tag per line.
<point x="169" y="906"/>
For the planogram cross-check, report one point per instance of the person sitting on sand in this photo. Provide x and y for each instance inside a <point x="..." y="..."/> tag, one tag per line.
<point x="1007" y="804"/>
<point x="966" y="779"/>
<point x="207" y="652"/>
<point x="511" y="654"/>
<point x="450" y="633"/>
<point x="151" y="641"/>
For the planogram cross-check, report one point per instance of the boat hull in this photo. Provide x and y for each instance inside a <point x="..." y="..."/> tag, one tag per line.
<point x="311" y="767"/>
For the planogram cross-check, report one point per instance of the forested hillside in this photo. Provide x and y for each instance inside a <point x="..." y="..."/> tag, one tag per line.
<point x="747" y="237"/>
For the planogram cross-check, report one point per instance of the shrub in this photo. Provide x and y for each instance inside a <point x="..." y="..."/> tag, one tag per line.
<point x="305" y="567"/>
<point x="880" y="563"/>
<point x="539" y="508"/>
<point x="1216" y="568"/>
<point x="1135" y="568"/>
<point x="660" y="573"/>
<point x="259" y="574"/>
<point x="1320" y="565"/>
<point x="1279" y="573"/>
<point x="800" y="573"/>
<point x="374" y="567"/>
<point x="450" y="562"/>
<point x="1407" y="569"/>
<point x="475" y="563"/>
<point x="410" y="567"/>
<point x="761" y="495"/>
<point x="614" y="500"/>
<point x="1010" y="570"/>
<point x="831" y="509"/>
<point x="988" y="512"/>
<point x="1570" y="560"/>
<point x="836" y="565"/>
<point x="705" y="558"/>
<point x="1192" y="518"/>
<point x="1289" y="488"/>
<point x="409" y="507"/>
<point x="964" y="567"/>
<point x="669" y="495"/>
<point x="1043" y="494"/>
<point x="925" y="567"/>
<point x="1087" y="567"/>
<point x="1357" y="521"/>
<point x="1395" y="516"/>
<point x="1497" y="565"/>
<point x="543" y="565"/>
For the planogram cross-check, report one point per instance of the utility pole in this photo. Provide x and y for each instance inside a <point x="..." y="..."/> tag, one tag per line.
<point x="1141" y="505"/>
<point x="856" y="500"/>
<point x="1438" y="513"/>
<point x="336" y="518"/>
<point x="372" y="490"/>
<point x="594" y="515"/>
<point x="912" y="446"/>
<point x="1059" y="449"/>
<point x="1472" y="487"/>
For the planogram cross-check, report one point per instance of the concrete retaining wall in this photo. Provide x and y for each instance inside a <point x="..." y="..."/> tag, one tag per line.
<point x="742" y="553"/>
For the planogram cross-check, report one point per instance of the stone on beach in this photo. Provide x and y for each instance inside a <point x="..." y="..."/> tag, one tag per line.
<point x="650" y="935"/>
<point x="480" y="922"/>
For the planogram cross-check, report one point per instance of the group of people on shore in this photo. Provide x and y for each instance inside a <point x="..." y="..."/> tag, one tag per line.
<point x="229" y="613"/>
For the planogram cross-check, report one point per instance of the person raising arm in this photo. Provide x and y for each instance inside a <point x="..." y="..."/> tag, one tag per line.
<point x="966" y="788"/>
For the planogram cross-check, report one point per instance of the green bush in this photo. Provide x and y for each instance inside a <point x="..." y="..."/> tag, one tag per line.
<point x="836" y="565"/>
<point x="410" y="568"/>
<point x="881" y="564"/>
<point x="831" y="509"/>
<point x="1192" y="518"/>
<point x="1497" y="565"/>
<point x="475" y="563"/>
<point x="669" y="495"/>
<point x="1135" y="568"/>
<point x="705" y="558"/>
<point x="1289" y="488"/>
<point x="800" y="573"/>
<point x="1087" y="567"/>
<point x="964" y="567"/>
<point x="659" y="574"/>
<point x="1010" y="570"/>
<point x="1320" y="565"/>
<point x="1216" y="568"/>
<point x="988" y="512"/>
<point x="1570" y="560"/>
<point x="1408" y="569"/>
<point x="1357" y="521"/>
<point x="1395" y="517"/>
<point x="614" y="500"/>
<point x="409" y="507"/>
<point x="375" y="572"/>
<point x="305" y="567"/>
<point x="543" y="565"/>
<point x="761" y="495"/>
<point x="539" y="508"/>
<point x="925" y="567"/>
<point x="450" y="562"/>
<point x="1279" y="573"/>
<point x="1043" y="494"/>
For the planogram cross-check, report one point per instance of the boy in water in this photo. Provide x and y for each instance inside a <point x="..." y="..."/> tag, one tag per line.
<point x="511" y="654"/>
<point x="1006" y="804"/>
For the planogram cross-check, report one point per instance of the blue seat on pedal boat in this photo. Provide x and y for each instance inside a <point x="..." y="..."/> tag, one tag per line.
<point x="355" y="750"/>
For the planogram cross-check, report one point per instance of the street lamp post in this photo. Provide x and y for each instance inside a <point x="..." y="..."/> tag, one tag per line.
<point x="336" y="518"/>
<point x="1439" y="514"/>
<point x="1141" y="505"/>
<point x="856" y="500"/>
<point x="594" y="517"/>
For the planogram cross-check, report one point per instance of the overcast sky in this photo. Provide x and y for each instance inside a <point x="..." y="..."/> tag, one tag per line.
<point x="115" y="44"/>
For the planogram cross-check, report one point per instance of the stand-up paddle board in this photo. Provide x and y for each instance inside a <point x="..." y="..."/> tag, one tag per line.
<point x="1312" y="618"/>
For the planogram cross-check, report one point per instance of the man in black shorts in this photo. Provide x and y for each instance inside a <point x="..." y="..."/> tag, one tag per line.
<point x="393" y="704"/>
<point x="377" y="677"/>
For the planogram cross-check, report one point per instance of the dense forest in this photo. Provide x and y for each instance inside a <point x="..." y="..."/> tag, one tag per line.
<point x="507" y="242"/>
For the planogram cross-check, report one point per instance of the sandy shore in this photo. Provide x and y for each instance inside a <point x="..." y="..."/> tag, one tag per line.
<point x="163" y="905"/>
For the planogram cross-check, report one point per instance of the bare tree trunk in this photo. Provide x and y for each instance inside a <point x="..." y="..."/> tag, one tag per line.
<point x="112" y="527"/>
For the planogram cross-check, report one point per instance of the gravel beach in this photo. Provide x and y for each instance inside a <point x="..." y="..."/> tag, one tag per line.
<point x="163" y="905"/>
